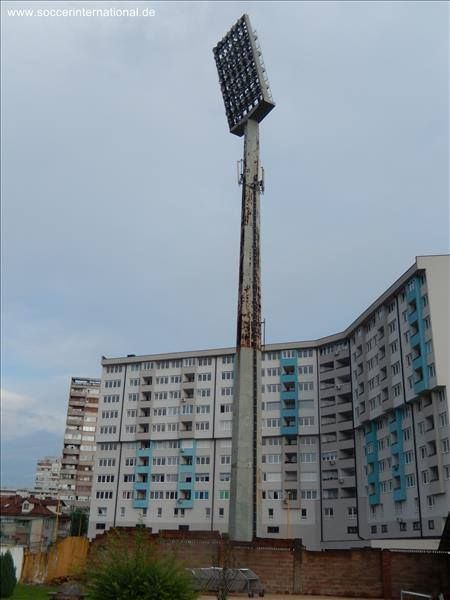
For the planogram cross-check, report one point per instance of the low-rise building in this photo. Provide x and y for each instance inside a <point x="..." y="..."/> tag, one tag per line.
<point x="31" y="522"/>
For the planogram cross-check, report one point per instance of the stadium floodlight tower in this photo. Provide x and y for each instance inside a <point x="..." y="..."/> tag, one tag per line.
<point x="247" y="100"/>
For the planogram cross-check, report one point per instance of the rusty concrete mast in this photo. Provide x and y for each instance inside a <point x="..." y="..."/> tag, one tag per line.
<point x="247" y="100"/>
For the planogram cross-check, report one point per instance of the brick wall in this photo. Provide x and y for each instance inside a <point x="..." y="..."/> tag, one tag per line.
<point x="352" y="573"/>
<point x="284" y="567"/>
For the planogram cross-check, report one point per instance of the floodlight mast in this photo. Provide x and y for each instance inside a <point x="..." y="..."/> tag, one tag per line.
<point x="247" y="99"/>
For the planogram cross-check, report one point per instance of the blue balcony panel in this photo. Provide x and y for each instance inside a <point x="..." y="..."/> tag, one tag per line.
<point x="395" y="448"/>
<point x="288" y="378"/>
<point x="291" y="395"/>
<point x="288" y="412"/>
<point x="185" y="485"/>
<point x="185" y="503"/>
<point x="413" y="317"/>
<point x="140" y="503"/>
<point x="141" y="486"/>
<point x="143" y="452"/>
<point x="285" y="430"/>
<point x="142" y="469"/>
<point x="186" y="468"/>
<point x="399" y="494"/>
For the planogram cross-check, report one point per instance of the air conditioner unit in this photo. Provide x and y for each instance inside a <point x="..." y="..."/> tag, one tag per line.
<point x="341" y="480"/>
<point x="183" y="400"/>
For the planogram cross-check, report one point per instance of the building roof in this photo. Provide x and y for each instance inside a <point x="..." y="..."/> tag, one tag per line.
<point x="12" y="506"/>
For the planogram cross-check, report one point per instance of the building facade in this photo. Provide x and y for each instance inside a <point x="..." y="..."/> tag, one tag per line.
<point x="79" y="443"/>
<point x="355" y="432"/>
<point x="48" y="472"/>
<point x="32" y="522"/>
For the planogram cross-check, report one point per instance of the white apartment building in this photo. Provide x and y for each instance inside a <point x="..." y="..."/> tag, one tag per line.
<point x="355" y="432"/>
<point x="47" y="476"/>
<point x="79" y="442"/>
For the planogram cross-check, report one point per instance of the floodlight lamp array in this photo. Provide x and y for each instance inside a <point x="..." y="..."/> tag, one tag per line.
<point x="242" y="75"/>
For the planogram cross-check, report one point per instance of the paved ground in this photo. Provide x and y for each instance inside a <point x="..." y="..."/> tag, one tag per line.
<point x="286" y="597"/>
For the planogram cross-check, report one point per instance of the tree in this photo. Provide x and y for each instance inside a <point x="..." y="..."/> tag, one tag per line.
<point x="78" y="522"/>
<point x="7" y="575"/>
<point x="126" y="567"/>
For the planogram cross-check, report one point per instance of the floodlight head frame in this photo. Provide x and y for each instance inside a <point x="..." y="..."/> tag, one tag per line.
<point x="242" y="76"/>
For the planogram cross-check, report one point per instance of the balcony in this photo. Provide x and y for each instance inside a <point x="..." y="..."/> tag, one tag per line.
<point x="186" y="486"/>
<point x="142" y="469"/>
<point x="186" y="468"/>
<point x="414" y="340"/>
<point x="395" y="448"/>
<point x="399" y="494"/>
<point x="144" y="452"/>
<point x="140" y="503"/>
<point x="289" y="429"/>
<point x="140" y="486"/>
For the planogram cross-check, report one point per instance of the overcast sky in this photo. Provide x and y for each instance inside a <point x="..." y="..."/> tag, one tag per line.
<point x="121" y="209"/>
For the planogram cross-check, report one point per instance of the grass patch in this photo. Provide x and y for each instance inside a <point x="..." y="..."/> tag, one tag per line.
<point x="31" y="592"/>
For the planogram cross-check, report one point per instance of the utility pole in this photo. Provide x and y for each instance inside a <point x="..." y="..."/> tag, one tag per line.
<point x="247" y="100"/>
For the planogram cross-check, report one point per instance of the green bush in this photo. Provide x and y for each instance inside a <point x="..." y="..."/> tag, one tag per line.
<point x="7" y="575"/>
<point x="130" y="568"/>
<point x="78" y="522"/>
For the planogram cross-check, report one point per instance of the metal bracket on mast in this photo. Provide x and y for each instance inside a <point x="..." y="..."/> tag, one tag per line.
<point x="240" y="176"/>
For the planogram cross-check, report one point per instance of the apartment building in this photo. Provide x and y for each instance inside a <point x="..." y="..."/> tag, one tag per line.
<point x="355" y="432"/>
<point x="79" y="442"/>
<point x="47" y="476"/>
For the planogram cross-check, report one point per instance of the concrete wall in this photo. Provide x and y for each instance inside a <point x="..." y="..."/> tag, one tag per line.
<point x="62" y="560"/>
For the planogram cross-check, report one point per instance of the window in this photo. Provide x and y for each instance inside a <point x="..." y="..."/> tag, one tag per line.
<point x="373" y="529"/>
<point x="352" y="529"/>
<point x="410" y="480"/>
<point x="272" y="529"/>
<point x="225" y="459"/>
<point x="224" y="494"/>
<point x="205" y="361"/>
<point x="416" y="525"/>
<point x="201" y="495"/>
<point x="271" y="459"/>
<point x="328" y="512"/>
<point x="204" y="377"/>
<point x="352" y="512"/>
<point x="308" y="494"/>
<point x="431" y="524"/>
<point x="100" y="526"/>
<point x="101" y="511"/>
<point x="159" y="512"/>
<point x="221" y="512"/>
<point x="304" y="513"/>
<point x="227" y="360"/>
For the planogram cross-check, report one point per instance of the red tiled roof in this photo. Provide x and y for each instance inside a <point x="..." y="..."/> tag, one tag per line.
<point x="12" y="506"/>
